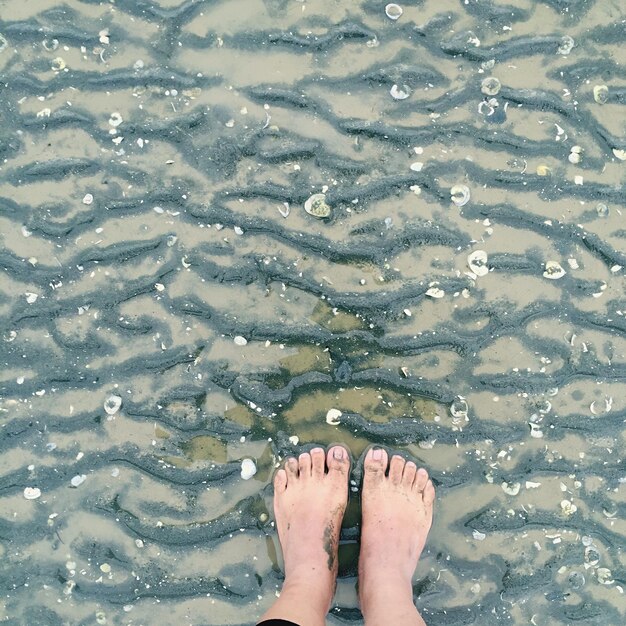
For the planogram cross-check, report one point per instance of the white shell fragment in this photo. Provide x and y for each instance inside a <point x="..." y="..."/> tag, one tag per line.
<point x="477" y="262"/>
<point x="112" y="405"/>
<point x="620" y="154"/>
<point x="605" y="577"/>
<point x="248" y="469"/>
<point x="78" y="480"/>
<point x="568" y="507"/>
<point x="417" y="166"/>
<point x="553" y="270"/>
<point x="435" y="292"/>
<point x="460" y="195"/>
<point x="478" y="535"/>
<point x="115" y="119"/>
<point x="511" y="488"/>
<point x="459" y="407"/>
<point x="600" y="94"/>
<point x="400" y="92"/>
<point x="316" y="206"/>
<point x="240" y="341"/>
<point x="31" y="297"/>
<point x="490" y="86"/>
<point x="32" y="493"/>
<point x="566" y="45"/>
<point x="332" y="417"/>
<point x="393" y="11"/>
<point x="88" y="198"/>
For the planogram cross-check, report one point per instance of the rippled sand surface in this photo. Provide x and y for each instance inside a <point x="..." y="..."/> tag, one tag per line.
<point x="170" y="309"/>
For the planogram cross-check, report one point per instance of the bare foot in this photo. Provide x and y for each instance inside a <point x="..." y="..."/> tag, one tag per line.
<point x="310" y="498"/>
<point x="397" y="515"/>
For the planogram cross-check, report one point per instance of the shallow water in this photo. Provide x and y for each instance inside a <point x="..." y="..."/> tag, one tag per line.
<point x="196" y="127"/>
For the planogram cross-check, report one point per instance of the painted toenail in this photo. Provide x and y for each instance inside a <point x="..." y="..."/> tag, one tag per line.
<point x="338" y="453"/>
<point x="377" y="454"/>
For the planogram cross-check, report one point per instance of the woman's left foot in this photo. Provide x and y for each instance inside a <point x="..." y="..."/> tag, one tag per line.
<point x="310" y="498"/>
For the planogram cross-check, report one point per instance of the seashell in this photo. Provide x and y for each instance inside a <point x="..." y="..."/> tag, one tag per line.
<point x="511" y="488"/>
<point x="568" y="507"/>
<point x="104" y="36"/>
<point x="417" y="166"/>
<point x="393" y="11"/>
<point x="50" y="44"/>
<point x="400" y="93"/>
<point x="115" y="119"/>
<point x="566" y="45"/>
<point x="478" y="535"/>
<point x="332" y="417"/>
<point x="543" y="170"/>
<point x="78" y="480"/>
<point x="284" y="211"/>
<point x="58" y="64"/>
<point x="112" y="405"/>
<point x="600" y="94"/>
<point x="88" y="198"/>
<point x="316" y="206"/>
<point x="605" y="577"/>
<point x="490" y="86"/>
<point x="459" y="407"/>
<point x="435" y="292"/>
<point x="477" y="262"/>
<point x="535" y="431"/>
<point x="620" y="154"/>
<point x="592" y="556"/>
<point x="460" y="195"/>
<point x="248" y="469"/>
<point x="553" y="270"/>
<point x="602" y="209"/>
<point x="31" y="297"/>
<point x="32" y="493"/>
<point x="240" y="341"/>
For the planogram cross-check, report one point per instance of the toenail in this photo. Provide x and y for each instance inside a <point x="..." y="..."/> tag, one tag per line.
<point x="338" y="453"/>
<point x="377" y="454"/>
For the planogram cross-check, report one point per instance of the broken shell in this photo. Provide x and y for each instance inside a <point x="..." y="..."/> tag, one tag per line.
<point x="490" y="86"/>
<point x="605" y="577"/>
<point x="459" y="407"/>
<point x="88" y="198"/>
<point x="566" y="45"/>
<point x="240" y="341"/>
<point x="316" y="206"/>
<point x="568" y="507"/>
<point x="460" y="195"/>
<point x="332" y="417"/>
<point x="477" y="262"/>
<point x="478" y="535"/>
<point x="104" y="36"/>
<point x="435" y="292"/>
<point x="78" y="480"/>
<point x="511" y="488"/>
<point x="417" y="166"/>
<point x="393" y="11"/>
<point x="248" y="469"/>
<point x="50" y="44"/>
<point x="620" y="154"/>
<point x="602" y="209"/>
<point x="543" y="170"/>
<point x="31" y="297"/>
<point x="553" y="270"/>
<point x="284" y="211"/>
<point x="112" y="405"/>
<point x="601" y="94"/>
<point x="400" y="93"/>
<point x="32" y="493"/>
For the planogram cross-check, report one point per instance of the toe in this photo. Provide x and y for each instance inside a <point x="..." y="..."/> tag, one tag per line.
<point x="408" y="476"/>
<point x="395" y="469"/>
<point x="291" y="468"/>
<point x="338" y="461"/>
<point x="304" y="463"/>
<point x="429" y="494"/>
<point x="375" y="464"/>
<point x="421" y="479"/>
<point x="280" y="481"/>
<point x="318" y="456"/>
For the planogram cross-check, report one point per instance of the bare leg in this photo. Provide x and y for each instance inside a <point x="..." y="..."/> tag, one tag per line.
<point x="310" y="497"/>
<point x="397" y="514"/>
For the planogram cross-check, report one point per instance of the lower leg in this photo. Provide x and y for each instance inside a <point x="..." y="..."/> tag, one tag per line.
<point x="310" y="497"/>
<point x="397" y="515"/>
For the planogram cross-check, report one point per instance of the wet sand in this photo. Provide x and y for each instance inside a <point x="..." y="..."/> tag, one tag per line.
<point x="155" y="161"/>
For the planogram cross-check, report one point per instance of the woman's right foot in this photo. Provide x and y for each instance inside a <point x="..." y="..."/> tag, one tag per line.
<point x="397" y="514"/>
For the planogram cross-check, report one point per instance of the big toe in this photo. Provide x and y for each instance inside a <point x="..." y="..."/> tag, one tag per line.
<point x="338" y="461"/>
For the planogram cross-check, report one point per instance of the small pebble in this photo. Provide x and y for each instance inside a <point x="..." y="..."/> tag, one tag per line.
<point x="248" y="469"/>
<point x="240" y="341"/>
<point x="78" y="480"/>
